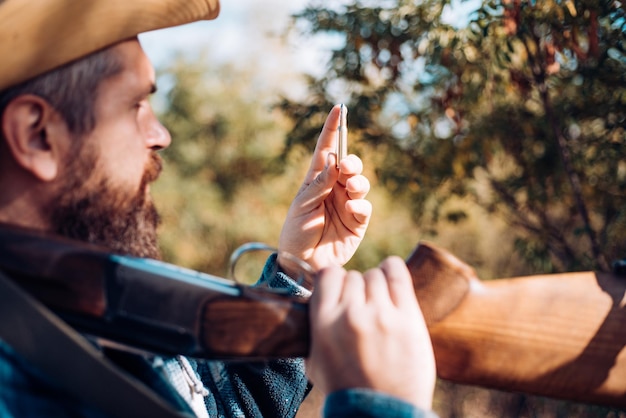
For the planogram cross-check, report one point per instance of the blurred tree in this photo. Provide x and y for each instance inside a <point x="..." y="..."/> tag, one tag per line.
<point x="224" y="183"/>
<point x="215" y="193"/>
<point x="527" y="98"/>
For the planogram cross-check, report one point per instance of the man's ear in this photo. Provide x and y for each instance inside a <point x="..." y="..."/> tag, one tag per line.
<point x="36" y="135"/>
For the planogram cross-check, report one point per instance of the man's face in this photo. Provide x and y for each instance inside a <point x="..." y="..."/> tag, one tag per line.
<point x="104" y="196"/>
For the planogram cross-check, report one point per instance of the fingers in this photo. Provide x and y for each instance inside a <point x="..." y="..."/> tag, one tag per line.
<point x="400" y="283"/>
<point x="360" y="211"/>
<point x="329" y="215"/>
<point x="350" y="196"/>
<point x="376" y="288"/>
<point x="353" y="289"/>
<point x="391" y="282"/>
<point x="323" y="174"/>
<point x="357" y="187"/>
<point x="335" y="286"/>
<point x="329" y="288"/>
<point x="325" y="145"/>
<point x="348" y="167"/>
<point x="369" y="334"/>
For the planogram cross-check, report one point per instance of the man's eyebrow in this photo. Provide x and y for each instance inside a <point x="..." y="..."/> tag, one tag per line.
<point x="147" y="92"/>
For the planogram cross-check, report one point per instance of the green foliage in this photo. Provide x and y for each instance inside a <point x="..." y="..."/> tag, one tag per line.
<point x="225" y="183"/>
<point x="523" y="109"/>
<point x="217" y="190"/>
<point x="218" y="128"/>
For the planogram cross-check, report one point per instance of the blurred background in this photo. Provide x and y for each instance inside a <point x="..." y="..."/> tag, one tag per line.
<point x="495" y="130"/>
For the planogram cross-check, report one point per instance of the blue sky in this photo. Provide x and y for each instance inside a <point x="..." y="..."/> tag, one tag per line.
<point x="243" y="27"/>
<point x="246" y="26"/>
<point x="247" y="33"/>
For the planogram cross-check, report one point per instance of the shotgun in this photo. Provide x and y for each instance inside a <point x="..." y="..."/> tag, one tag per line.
<point x="551" y="335"/>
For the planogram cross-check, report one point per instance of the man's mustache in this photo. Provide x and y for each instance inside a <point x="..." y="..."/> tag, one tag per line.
<point x="153" y="168"/>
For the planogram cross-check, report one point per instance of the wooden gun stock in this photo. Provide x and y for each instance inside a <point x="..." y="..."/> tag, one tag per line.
<point x="556" y="335"/>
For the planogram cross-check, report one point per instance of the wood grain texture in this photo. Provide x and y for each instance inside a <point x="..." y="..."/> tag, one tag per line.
<point x="560" y="335"/>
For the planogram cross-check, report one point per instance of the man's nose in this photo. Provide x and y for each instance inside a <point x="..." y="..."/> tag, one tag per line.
<point x="158" y="137"/>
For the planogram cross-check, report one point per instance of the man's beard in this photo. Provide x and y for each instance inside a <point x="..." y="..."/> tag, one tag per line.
<point x="105" y="215"/>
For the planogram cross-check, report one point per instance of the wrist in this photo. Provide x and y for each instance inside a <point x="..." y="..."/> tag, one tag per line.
<point x="275" y="278"/>
<point x="364" y="402"/>
<point x="296" y="269"/>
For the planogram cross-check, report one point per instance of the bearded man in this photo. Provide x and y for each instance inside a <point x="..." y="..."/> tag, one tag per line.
<point x="79" y="147"/>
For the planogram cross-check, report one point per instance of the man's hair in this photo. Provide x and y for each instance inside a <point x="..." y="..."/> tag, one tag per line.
<point x="71" y="89"/>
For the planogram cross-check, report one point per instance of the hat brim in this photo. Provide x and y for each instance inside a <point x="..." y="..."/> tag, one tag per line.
<point x="38" y="36"/>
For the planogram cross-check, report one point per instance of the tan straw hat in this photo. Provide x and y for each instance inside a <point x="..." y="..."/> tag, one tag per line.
<point x="39" y="35"/>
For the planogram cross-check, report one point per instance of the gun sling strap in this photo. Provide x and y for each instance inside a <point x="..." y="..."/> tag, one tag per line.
<point x="49" y="344"/>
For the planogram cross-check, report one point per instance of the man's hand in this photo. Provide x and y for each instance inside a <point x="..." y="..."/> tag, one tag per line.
<point x="328" y="218"/>
<point x="368" y="332"/>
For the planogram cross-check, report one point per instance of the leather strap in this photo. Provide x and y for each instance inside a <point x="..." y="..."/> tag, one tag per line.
<point x="49" y="344"/>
